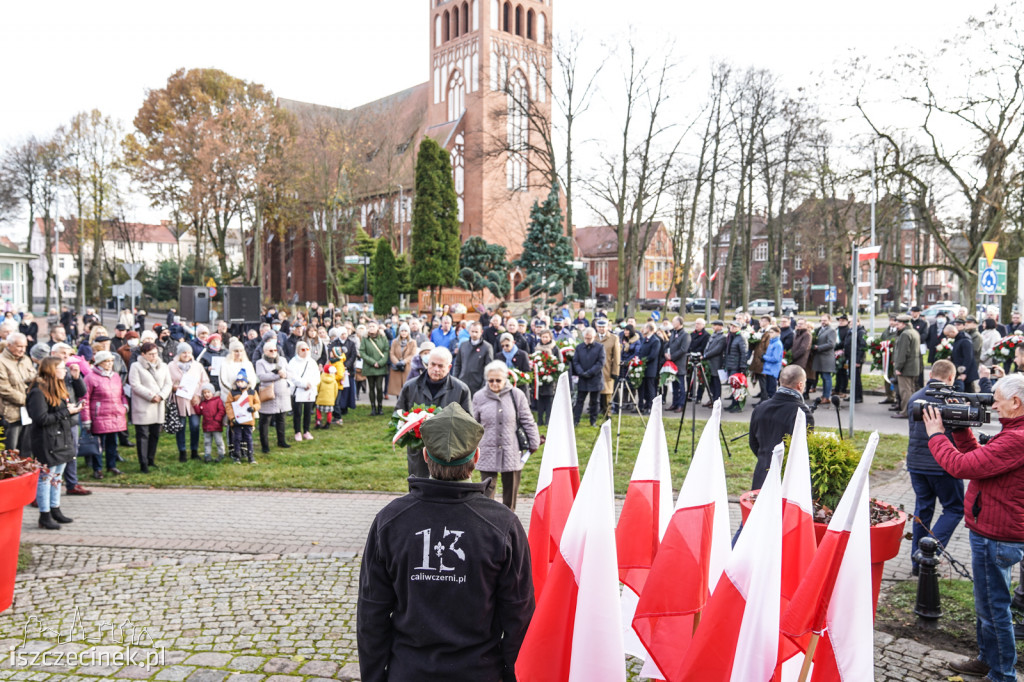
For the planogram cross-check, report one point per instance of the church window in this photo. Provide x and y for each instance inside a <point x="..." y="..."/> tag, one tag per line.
<point x="476" y="15"/>
<point x="437" y="30"/>
<point x="495" y="14"/>
<point x="507" y="17"/>
<point x="529" y="25"/>
<point x="446" y="24"/>
<point x="465" y="18"/>
<point x="455" y="22"/>
<point x="459" y="172"/>
<point x="541" y="28"/>
<point x="456" y="95"/>
<point x="519" y="20"/>
<point x="518" y="132"/>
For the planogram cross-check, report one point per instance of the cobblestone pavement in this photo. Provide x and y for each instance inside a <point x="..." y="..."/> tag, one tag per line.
<point x="249" y="586"/>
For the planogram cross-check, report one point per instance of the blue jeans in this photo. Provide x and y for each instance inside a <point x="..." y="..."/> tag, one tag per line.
<point x="109" y="441"/>
<point x="48" y="488"/>
<point x="678" y="394"/>
<point x="991" y="562"/>
<point x="192" y="424"/>
<point x="771" y="384"/>
<point x="949" y="491"/>
<point x="826" y="385"/>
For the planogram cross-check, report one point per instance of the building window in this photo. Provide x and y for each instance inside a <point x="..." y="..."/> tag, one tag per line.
<point x="456" y="95"/>
<point x="495" y="13"/>
<point x="821" y="251"/>
<point x="518" y="133"/>
<point x="541" y="28"/>
<point x="437" y="30"/>
<point x="459" y="172"/>
<point x="455" y="22"/>
<point x="519" y="20"/>
<point x="761" y="251"/>
<point x="506" y="24"/>
<point x="785" y="277"/>
<point x="465" y="18"/>
<point x="446" y="27"/>
<point x="599" y="270"/>
<point x="908" y="252"/>
<point x="529" y="25"/>
<point x="798" y="262"/>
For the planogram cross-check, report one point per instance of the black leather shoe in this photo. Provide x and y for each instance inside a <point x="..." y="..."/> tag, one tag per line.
<point x="970" y="666"/>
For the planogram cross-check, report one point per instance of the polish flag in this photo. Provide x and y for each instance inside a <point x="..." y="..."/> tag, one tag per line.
<point x="713" y="275"/>
<point x="868" y="253"/>
<point x="690" y="559"/>
<point x="643" y="520"/>
<point x="702" y="275"/>
<point x="834" y="600"/>
<point x="738" y="635"/>
<point x="557" y="483"/>
<point x="798" y="541"/>
<point x="576" y="631"/>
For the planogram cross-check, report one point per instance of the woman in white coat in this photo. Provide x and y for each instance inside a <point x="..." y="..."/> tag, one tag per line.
<point x="151" y="387"/>
<point x="305" y="377"/>
<point x="235" y="361"/>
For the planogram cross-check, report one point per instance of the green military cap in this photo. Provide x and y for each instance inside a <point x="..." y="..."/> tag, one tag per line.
<point x="451" y="436"/>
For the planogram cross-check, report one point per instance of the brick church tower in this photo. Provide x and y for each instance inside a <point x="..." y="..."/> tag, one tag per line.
<point x="490" y="64"/>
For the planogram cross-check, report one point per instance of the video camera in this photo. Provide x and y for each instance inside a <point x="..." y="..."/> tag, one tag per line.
<point x="958" y="410"/>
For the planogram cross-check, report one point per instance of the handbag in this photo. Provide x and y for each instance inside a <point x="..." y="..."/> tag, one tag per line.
<point x="266" y="392"/>
<point x="88" y="444"/>
<point x="521" y="438"/>
<point x="172" y="418"/>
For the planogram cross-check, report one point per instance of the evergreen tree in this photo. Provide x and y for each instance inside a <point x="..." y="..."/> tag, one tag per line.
<point x="581" y="284"/>
<point x="735" y="289"/>
<point x="547" y="253"/>
<point x="484" y="266"/>
<point x="435" y="221"/>
<point x="352" y="282"/>
<point x="385" y="279"/>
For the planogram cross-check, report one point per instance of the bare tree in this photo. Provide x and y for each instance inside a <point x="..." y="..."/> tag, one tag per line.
<point x="23" y="173"/>
<point x="51" y="159"/>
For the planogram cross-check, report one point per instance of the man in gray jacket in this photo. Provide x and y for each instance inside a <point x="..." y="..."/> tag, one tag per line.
<point x="823" y="361"/>
<point x="714" y="353"/>
<point x="434" y="387"/>
<point x="472" y="357"/>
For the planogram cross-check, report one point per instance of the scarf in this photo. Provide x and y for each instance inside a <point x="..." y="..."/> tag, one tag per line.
<point x="510" y="356"/>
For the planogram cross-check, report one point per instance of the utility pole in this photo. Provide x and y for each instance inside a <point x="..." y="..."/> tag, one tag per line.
<point x="871" y="284"/>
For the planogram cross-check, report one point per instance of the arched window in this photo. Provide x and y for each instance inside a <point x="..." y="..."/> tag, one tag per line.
<point x="541" y="28"/>
<point x="447" y="26"/>
<point x="455" y="22"/>
<point x="456" y="95"/>
<point x="465" y="18"/>
<point x="506" y="25"/>
<point x="437" y="30"/>
<point x="519" y="20"/>
<point x="459" y="172"/>
<point x="518" y="130"/>
<point x="529" y="25"/>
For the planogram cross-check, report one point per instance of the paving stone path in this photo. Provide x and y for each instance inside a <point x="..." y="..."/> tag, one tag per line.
<point x="246" y="586"/>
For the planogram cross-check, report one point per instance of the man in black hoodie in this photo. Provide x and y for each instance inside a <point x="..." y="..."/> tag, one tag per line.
<point x="446" y="586"/>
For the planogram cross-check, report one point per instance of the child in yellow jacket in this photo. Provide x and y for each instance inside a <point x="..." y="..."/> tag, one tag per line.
<point x="326" y="394"/>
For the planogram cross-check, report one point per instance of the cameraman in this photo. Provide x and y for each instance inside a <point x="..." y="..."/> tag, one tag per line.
<point x="995" y="518"/>
<point x="930" y="481"/>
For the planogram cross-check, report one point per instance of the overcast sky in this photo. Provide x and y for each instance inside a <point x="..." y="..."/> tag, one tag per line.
<point x="61" y="57"/>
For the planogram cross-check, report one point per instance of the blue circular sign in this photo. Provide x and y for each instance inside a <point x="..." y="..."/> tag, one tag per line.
<point x="655" y="315"/>
<point x="989" y="281"/>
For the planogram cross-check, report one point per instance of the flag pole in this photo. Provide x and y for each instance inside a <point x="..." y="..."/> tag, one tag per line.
<point x="851" y="362"/>
<point x="696" y="621"/>
<point x="809" y="657"/>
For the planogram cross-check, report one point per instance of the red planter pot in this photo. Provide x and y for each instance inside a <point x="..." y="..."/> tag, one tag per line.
<point x="15" y="493"/>
<point x="885" y="540"/>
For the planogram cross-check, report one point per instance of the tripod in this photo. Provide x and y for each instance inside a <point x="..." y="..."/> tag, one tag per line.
<point x="623" y="383"/>
<point x="696" y="377"/>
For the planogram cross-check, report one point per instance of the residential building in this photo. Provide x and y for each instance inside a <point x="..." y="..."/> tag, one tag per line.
<point x="597" y="247"/>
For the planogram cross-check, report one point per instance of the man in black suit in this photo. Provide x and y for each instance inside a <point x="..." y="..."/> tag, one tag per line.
<point x="773" y="419"/>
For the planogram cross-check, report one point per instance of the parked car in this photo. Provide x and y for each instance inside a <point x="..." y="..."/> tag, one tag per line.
<point x="789" y="306"/>
<point x="761" y="306"/>
<point x="950" y="309"/>
<point x="673" y="304"/>
<point x="605" y="301"/>
<point x="699" y="305"/>
<point x="650" y="303"/>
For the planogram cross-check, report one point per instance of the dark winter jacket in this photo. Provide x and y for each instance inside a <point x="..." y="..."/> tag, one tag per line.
<point x="587" y="364"/>
<point x="50" y="432"/>
<point x="699" y="340"/>
<point x="993" y="507"/>
<point x="801" y="348"/>
<point x="735" y="354"/>
<point x="771" y="421"/>
<point x="650" y="350"/>
<point x="862" y="343"/>
<point x="715" y="351"/>
<point x="470" y="361"/>
<point x="416" y="392"/>
<point x="919" y="456"/>
<point x="445" y="588"/>
<point x="962" y="357"/>
<point x="786" y="335"/>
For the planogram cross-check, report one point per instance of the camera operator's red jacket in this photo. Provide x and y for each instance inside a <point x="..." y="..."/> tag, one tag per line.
<point x="994" y="505"/>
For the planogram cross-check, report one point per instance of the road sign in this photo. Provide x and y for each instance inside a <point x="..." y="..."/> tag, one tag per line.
<point x="210" y="283"/>
<point x="830" y="295"/>
<point x="992" y="280"/>
<point x="881" y="291"/>
<point x="132" y="269"/>
<point x="990" y="251"/>
<point x="819" y="287"/>
<point x="132" y="288"/>
<point x="655" y="315"/>
<point x="213" y="291"/>
<point x="356" y="260"/>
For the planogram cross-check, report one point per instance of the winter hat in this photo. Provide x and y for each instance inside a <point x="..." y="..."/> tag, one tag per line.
<point x="242" y="376"/>
<point x="270" y="345"/>
<point x="182" y="347"/>
<point x="102" y="356"/>
<point x="39" y="351"/>
<point x="236" y="345"/>
<point x="330" y="369"/>
<point x="206" y="387"/>
<point x="211" y="337"/>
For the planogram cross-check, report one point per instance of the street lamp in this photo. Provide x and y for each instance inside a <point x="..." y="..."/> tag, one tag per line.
<point x="365" y="262"/>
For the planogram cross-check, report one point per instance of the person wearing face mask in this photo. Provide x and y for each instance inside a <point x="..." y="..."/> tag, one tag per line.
<point x="213" y="358"/>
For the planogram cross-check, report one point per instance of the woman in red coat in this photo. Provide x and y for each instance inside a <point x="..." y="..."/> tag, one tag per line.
<point x="107" y="411"/>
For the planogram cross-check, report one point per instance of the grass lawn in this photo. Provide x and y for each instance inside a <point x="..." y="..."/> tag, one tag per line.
<point x="359" y="456"/>
<point x="24" y="557"/>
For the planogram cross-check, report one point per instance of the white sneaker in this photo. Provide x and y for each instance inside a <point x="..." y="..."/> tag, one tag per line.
<point x="298" y="437"/>
<point x="308" y="435"/>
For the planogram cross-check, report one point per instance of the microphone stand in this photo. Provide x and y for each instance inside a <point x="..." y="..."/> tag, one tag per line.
<point x="839" y="416"/>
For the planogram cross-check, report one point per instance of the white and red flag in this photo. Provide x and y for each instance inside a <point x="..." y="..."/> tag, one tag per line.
<point x="868" y="253"/>
<point x="690" y="559"/>
<point x="557" y="483"/>
<point x="576" y="631"/>
<point x="834" y="601"/>
<point x="642" y="522"/>
<point x="713" y="275"/>
<point x="702" y="275"/>
<point x="798" y="541"/>
<point x="737" y="640"/>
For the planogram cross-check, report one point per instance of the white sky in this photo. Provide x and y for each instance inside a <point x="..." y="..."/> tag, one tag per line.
<point x="61" y="57"/>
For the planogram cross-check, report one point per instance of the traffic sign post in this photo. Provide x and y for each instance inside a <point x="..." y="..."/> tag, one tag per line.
<point x="992" y="279"/>
<point x="830" y="295"/>
<point x="655" y="315"/>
